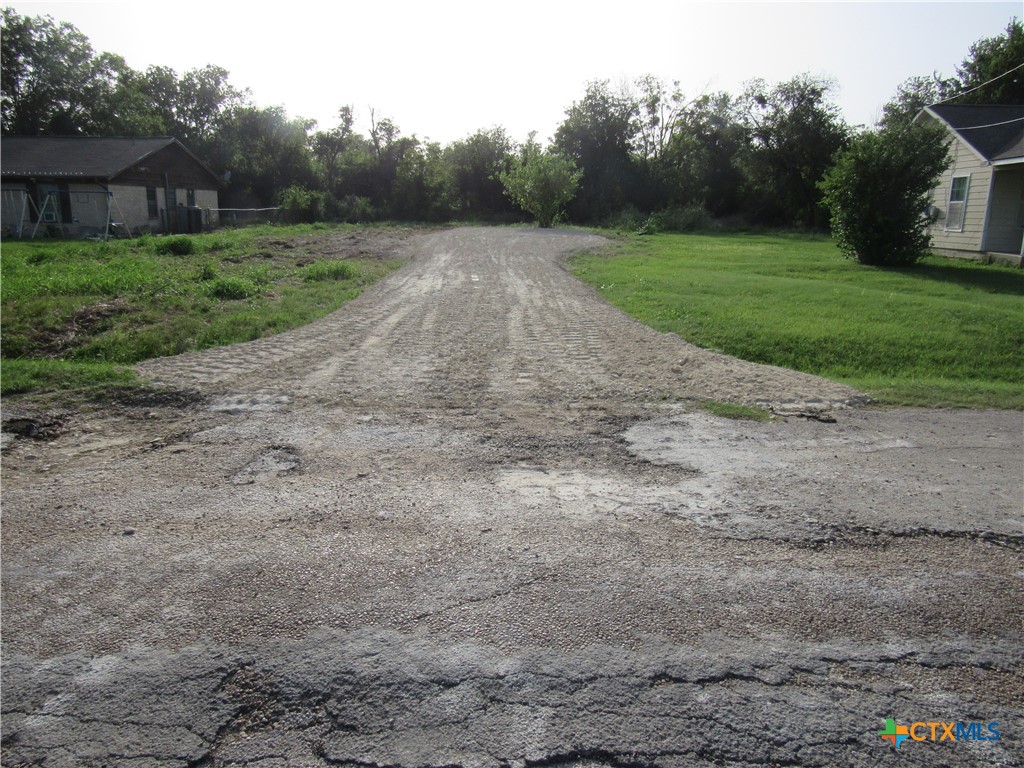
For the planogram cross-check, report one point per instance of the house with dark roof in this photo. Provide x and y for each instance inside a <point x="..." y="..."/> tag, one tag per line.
<point x="979" y="200"/>
<point x="75" y="185"/>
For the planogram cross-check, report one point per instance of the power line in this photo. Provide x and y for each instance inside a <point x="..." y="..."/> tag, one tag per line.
<point x="971" y="90"/>
<point x="991" y="125"/>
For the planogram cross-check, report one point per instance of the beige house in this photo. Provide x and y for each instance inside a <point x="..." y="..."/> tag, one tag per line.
<point x="978" y="205"/>
<point x="75" y="185"/>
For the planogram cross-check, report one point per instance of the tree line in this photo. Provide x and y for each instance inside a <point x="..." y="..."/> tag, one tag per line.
<point x="637" y="153"/>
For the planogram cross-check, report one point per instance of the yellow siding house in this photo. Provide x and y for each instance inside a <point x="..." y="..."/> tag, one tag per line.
<point x="978" y="205"/>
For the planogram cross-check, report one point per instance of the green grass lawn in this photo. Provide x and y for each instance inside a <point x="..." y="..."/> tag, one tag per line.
<point x="944" y="333"/>
<point x="76" y="313"/>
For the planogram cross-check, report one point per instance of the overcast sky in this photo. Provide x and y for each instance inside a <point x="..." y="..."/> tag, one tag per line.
<point x="442" y="69"/>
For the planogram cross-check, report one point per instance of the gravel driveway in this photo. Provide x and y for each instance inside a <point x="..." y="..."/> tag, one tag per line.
<point x="475" y="517"/>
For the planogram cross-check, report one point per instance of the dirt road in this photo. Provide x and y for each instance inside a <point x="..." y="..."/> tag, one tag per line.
<point x="474" y="518"/>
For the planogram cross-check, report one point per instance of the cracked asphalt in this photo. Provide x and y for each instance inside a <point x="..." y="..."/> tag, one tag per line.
<point x="477" y="517"/>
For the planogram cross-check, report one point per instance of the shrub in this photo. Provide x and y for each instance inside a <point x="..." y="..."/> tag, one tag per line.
<point x="175" y="246"/>
<point x="691" y="218"/>
<point x="302" y="206"/>
<point x="329" y="270"/>
<point x="877" y="192"/>
<point x="629" y="219"/>
<point x="206" y="272"/>
<point x="541" y="182"/>
<point x="354" y="209"/>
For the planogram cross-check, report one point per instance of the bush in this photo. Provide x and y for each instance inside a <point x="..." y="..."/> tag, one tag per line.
<point x="329" y="270"/>
<point x="206" y="272"/>
<point x="353" y="209"/>
<point x="629" y="219"/>
<point x="877" y="192"/>
<point x="175" y="246"/>
<point x="302" y="206"/>
<point x="541" y="182"/>
<point x="233" y="288"/>
<point x="692" y="218"/>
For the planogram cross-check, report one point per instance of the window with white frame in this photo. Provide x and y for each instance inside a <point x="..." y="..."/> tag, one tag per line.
<point x="957" y="203"/>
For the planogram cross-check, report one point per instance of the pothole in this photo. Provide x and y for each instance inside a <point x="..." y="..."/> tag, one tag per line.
<point x="249" y="402"/>
<point x="279" y="460"/>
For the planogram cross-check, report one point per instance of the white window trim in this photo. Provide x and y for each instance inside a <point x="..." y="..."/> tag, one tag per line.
<point x="962" y="203"/>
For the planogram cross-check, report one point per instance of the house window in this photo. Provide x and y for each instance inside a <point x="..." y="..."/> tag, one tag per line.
<point x="957" y="203"/>
<point x="154" y="213"/>
<point x="190" y="198"/>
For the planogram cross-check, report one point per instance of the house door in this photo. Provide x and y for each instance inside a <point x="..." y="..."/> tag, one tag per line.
<point x="171" y="201"/>
<point x="1005" y="231"/>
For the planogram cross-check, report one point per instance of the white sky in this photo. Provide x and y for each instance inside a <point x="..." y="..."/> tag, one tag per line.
<point x="441" y="69"/>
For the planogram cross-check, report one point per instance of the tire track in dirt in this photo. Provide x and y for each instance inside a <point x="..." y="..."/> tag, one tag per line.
<point x="487" y="318"/>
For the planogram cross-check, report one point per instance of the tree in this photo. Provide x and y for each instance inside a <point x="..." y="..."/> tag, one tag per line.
<point x="422" y="185"/>
<point x="697" y="167"/>
<point x="991" y="74"/>
<point x="658" y="114"/>
<point x="597" y="134"/>
<point x="476" y="163"/>
<point x="794" y="131"/>
<point x="204" y="100"/>
<point x="46" y="70"/>
<point x="541" y="182"/>
<point x="878" y="190"/>
<point x="265" y="151"/>
<point x="329" y="147"/>
<point x="986" y="66"/>
<point x="913" y="95"/>
<point x="389" y="147"/>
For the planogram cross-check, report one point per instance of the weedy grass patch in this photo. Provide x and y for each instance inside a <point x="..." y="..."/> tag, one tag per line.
<point x="736" y="411"/>
<point x="75" y="313"/>
<point x="945" y="333"/>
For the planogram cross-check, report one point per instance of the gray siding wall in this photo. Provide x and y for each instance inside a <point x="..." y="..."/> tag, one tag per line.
<point x="965" y="163"/>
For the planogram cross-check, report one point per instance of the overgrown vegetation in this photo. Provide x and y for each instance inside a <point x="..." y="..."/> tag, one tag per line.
<point x="946" y="333"/>
<point x="76" y="313"/>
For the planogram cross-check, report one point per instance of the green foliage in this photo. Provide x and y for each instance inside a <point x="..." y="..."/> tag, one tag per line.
<point x="91" y="305"/>
<point x="329" y="148"/>
<point x="698" y="166"/>
<point x="878" y="190"/>
<point x="475" y="164"/>
<point x="18" y="376"/>
<point x="643" y="145"/>
<point x="207" y="271"/>
<point x="232" y="288"/>
<point x="988" y="60"/>
<point x="541" y="182"/>
<point x="330" y="270"/>
<point x="174" y="246"/>
<point x="597" y="135"/>
<point x="736" y="411"/>
<point x="421" y="188"/>
<point x="54" y="83"/>
<point x="981" y="79"/>
<point x="354" y="209"/>
<point x="629" y="219"/>
<point x="266" y="153"/>
<point x="302" y="206"/>
<point x="794" y="131"/>
<point x="912" y="96"/>
<point x="945" y="333"/>
<point x="691" y="218"/>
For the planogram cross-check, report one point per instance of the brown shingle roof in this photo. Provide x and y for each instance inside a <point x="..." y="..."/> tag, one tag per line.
<point x="75" y="157"/>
